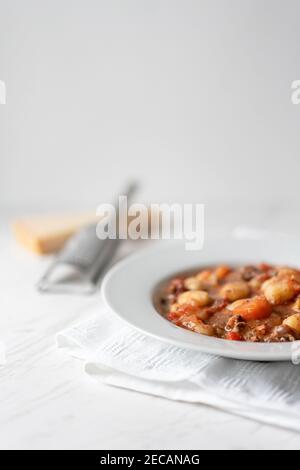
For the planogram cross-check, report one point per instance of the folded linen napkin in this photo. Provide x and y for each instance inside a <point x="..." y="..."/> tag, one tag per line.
<point x="117" y="355"/>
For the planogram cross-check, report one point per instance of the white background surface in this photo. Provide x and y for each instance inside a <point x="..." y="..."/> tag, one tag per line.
<point x="190" y="96"/>
<point x="46" y="400"/>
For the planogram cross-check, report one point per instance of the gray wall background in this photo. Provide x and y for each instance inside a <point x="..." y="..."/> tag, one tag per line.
<point x="190" y="96"/>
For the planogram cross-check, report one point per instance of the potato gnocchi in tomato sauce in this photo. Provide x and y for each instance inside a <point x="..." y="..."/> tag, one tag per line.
<point x="259" y="303"/>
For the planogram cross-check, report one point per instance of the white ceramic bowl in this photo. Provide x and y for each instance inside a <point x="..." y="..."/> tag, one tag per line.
<point x="129" y="286"/>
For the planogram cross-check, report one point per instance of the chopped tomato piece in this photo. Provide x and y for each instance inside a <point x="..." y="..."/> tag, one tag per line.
<point x="188" y="309"/>
<point x="173" y="316"/>
<point x="217" y="306"/>
<point x="232" y="336"/>
<point x="192" y="318"/>
<point x="183" y="310"/>
<point x="255" y="308"/>
<point x="263" y="277"/>
<point x="264" y="267"/>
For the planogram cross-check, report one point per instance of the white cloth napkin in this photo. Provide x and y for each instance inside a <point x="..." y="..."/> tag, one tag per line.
<point x="118" y="355"/>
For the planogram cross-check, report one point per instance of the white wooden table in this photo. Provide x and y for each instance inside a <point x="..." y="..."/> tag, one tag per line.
<point x="47" y="402"/>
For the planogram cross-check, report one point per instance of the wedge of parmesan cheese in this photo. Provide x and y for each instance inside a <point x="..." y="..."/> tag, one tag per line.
<point x="48" y="233"/>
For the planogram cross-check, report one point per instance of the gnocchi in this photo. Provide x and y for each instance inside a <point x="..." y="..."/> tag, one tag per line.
<point x="235" y="291"/>
<point x="293" y="322"/>
<point x="199" y="298"/>
<point x="192" y="283"/>
<point x="280" y="290"/>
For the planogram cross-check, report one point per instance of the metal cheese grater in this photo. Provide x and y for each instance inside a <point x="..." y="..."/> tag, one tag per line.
<point x="79" y="265"/>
